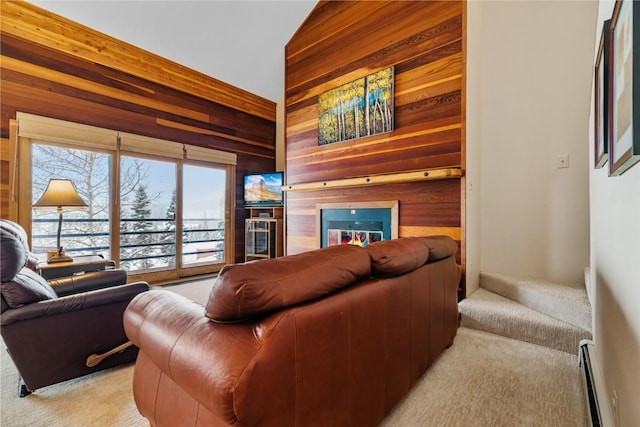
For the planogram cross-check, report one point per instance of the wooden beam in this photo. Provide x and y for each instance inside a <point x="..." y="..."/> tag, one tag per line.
<point x="424" y="175"/>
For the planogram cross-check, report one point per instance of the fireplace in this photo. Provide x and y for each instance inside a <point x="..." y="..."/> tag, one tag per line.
<point x="356" y="223"/>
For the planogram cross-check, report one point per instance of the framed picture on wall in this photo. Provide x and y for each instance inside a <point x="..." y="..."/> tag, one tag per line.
<point x="624" y="120"/>
<point x="357" y="109"/>
<point x="601" y="98"/>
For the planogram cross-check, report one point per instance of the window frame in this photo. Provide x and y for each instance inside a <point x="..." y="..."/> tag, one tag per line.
<point x="32" y="129"/>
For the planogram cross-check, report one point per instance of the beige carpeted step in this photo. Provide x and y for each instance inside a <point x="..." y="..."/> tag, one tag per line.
<point x="490" y="312"/>
<point x="566" y="302"/>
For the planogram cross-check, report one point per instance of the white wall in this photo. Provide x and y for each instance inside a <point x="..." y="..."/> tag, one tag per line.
<point x="615" y="275"/>
<point x="529" y="89"/>
<point x="529" y="70"/>
<point x="615" y="270"/>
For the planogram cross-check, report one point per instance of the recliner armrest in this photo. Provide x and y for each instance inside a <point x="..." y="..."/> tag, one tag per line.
<point x="71" y="303"/>
<point x="86" y="282"/>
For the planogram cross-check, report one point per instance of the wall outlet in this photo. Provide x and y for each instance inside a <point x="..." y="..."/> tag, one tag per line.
<point x="562" y="161"/>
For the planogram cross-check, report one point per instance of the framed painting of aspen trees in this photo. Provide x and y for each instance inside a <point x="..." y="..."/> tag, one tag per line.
<point x="360" y="108"/>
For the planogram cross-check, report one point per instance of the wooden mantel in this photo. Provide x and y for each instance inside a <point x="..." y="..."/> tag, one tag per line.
<point x="423" y="175"/>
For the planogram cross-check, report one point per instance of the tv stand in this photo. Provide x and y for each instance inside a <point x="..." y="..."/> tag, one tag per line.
<point x="263" y="233"/>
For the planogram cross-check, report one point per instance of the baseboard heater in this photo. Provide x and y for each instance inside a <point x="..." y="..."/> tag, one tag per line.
<point x="598" y="412"/>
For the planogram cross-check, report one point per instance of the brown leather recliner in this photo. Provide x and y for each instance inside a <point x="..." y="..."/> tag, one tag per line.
<point x="51" y="328"/>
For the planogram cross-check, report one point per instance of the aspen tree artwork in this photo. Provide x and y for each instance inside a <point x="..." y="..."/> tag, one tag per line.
<point x="359" y="108"/>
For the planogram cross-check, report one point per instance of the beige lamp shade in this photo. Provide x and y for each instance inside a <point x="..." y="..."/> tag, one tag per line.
<point x="60" y="194"/>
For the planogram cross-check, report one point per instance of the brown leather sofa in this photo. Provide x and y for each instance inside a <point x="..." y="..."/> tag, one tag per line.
<point x="331" y="337"/>
<point x="51" y="328"/>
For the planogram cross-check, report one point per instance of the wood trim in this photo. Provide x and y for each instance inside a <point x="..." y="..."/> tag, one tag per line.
<point x="8" y="172"/>
<point x="426" y="175"/>
<point x="24" y="184"/>
<point x="422" y="231"/>
<point x="462" y="290"/>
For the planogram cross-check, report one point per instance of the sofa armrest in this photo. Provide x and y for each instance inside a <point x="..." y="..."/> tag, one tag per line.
<point x="72" y="303"/>
<point x="206" y="359"/>
<point x="87" y="282"/>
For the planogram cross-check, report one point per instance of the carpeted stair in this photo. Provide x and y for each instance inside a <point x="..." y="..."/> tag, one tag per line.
<point x="554" y="315"/>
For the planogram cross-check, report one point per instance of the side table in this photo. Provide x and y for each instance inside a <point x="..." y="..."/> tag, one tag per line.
<point x="80" y="264"/>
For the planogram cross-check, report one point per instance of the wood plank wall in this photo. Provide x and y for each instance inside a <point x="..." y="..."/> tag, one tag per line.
<point x="55" y="67"/>
<point x="5" y="178"/>
<point x="342" y="41"/>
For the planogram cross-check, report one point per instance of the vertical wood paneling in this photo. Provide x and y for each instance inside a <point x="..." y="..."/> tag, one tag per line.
<point x="57" y="68"/>
<point x="5" y="178"/>
<point x="341" y="41"/>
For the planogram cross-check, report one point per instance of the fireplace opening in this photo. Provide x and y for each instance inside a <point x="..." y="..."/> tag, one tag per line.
<point x="357" y="223"/>
<point x="359" y="233"/>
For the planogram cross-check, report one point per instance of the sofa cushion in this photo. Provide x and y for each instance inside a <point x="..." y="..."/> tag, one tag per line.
<point x="244" y="291"/>
<point x="440" y="247"/>
<point x="26" y="287"/>
<point x="397" y="256"/>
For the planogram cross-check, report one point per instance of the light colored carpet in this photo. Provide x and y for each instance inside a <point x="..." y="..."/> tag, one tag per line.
<point x="482" y="380"/>
<point x="196" y="290"/>
<point x="567" y="302"/>
<point x="490" y="380"/>
<point x="490" y="312"/>
<point x="103" y="398"/>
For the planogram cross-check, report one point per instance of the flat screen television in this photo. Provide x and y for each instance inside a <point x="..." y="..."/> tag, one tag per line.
<point x="264" y="189"/>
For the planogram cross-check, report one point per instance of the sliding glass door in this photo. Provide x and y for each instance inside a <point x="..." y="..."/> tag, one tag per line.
<point x="159" y="217"/>
<point x="203" y="208"/>
<point x="147" y="213"/>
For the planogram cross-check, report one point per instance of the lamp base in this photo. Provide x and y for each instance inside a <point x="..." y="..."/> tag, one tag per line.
<point x="59" y="257"/>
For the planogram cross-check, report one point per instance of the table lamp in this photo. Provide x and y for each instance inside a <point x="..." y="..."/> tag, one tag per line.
<point x="60" y="194"/>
